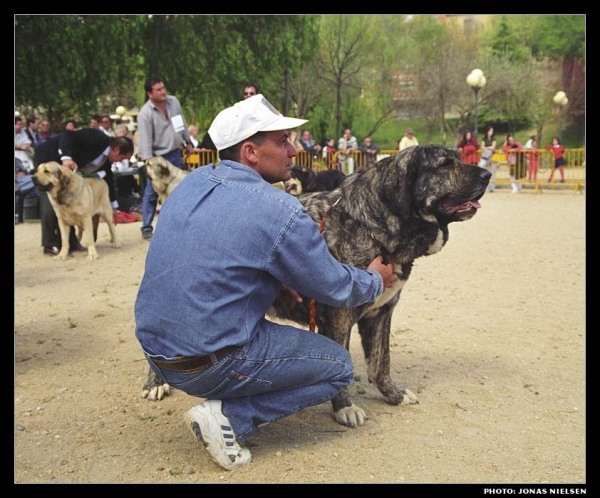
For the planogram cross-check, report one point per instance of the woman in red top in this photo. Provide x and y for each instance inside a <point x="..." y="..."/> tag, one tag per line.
<point x="468" y="149"/>
<point x="558" y="151"/>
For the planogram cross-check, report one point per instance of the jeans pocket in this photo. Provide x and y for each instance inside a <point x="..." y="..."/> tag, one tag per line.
<point x="236" y="385"/>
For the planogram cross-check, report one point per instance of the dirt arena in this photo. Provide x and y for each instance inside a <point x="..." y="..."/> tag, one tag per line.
<point x="489" y="333"/>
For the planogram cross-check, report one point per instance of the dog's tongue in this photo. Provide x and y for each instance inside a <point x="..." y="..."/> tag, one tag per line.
<point x="465" y="206"/>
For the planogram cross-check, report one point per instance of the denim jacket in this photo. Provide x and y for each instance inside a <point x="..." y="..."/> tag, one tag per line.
<point x="225" y="241"/>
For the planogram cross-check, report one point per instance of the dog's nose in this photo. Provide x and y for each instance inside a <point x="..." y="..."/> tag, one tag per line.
<point x="484" y="174"/>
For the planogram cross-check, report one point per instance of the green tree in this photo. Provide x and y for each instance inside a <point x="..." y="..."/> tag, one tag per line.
<point x="346" y="43"/>
<point x="65" y="64"/>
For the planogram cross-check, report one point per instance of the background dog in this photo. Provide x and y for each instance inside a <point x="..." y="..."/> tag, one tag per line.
<point x="76" y="200"/>
<point x="164" y="176"/>
<point x="305" y="180"/>
<point x="400" y="208"/>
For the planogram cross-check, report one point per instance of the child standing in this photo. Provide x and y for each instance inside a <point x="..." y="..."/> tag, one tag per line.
<point x="514" y="156"/>
<point x="558" y="151"/>
<point x="533" y="160"/>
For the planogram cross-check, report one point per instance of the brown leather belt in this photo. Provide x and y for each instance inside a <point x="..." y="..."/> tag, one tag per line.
<point x="191" y="363"/>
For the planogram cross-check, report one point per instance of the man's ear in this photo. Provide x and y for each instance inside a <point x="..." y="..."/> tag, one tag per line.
<point x="248" y="153"/>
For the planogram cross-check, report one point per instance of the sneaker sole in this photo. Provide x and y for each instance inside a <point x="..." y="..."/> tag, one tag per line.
<point x="194" y="427"/>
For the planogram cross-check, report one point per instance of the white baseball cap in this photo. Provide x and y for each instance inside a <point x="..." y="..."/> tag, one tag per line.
<point x="247" y="117"/>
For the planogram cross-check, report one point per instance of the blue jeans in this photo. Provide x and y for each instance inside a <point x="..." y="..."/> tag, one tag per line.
<point x="150" y="197"/>
<point x="281" y="371"/>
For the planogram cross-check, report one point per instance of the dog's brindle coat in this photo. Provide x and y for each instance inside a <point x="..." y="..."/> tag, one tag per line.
<point x="399" y="208"/>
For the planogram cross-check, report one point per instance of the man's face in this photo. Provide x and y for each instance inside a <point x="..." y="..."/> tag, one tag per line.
<point x="249" y="91"/>
<point x="158" y="94"/>
<point x="275" y="157"/>
<point x="367" y="142"/>
<point x="18" y="126"/>
<point x="35" y="125"/>
<point x="115" y="155"/>
<point x="348" y="133"/>
<point x="94" y="123"/>
<point x="105" y="123"/>
<point x="306" y="135"/>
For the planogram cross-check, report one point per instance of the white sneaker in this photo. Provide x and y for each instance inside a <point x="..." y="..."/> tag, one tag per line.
<point x="212" y="429"/>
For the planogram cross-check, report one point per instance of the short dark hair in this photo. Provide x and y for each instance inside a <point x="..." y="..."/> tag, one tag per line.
<point x="96" y="117"/>
<point x="233" y="153"/>
<point x="18" y="119"/>
<point x="150" y="82"/>
<point x="125" y="144"/>
<point x="253" y="85"/>
<point x="31" y="119"/>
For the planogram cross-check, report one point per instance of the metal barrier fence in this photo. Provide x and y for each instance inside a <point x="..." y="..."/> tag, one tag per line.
<point x="574" y="168"/>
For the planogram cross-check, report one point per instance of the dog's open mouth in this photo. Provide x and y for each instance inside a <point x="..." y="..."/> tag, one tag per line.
<point x="450" y="206"/>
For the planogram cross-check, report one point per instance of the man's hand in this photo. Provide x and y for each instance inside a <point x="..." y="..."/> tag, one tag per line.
<point x="386" y="271"/>
<point x="289" y="296"/>
<point x="69" y="163"/>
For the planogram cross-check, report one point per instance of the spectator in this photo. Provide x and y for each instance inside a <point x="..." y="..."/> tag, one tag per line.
<point x="70" y="125"/>
<point x="558" y="151"/>
<point x="408" y="140"/>
<point x="515" y="161"/>
<point x="88" y="151"/>
<point x="24" y="187"/>
<point x="250" y="90"/>
<point x="346" y="144"/>
<point x="293" y="139"/>
<point x="250" y="371"/>
<point x="95" y="121"/>
<point x="329" y="154"/>
<point x="533" y="160"/>
<point x="23" y="146"/>
<point x="309" y="144"/>
<point x="33" y="124"/>
<point x="162" y="132"/>
<point x="196" y="144"/>
<point x="370" y="150"/>
<point x="467" y="148"/>
<point x="488" y="146"/>
<point x="44" y="133"/>
<point x="529" y="144"/>
<point x="105" y="125"/>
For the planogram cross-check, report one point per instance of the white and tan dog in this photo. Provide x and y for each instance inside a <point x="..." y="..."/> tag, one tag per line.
<point x="164" y="176"/>
<point x="76" y="200"/>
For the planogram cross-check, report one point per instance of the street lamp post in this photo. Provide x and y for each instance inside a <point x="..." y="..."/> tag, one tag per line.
<point x="476" y="80"/>
<point x="561" y="100"/>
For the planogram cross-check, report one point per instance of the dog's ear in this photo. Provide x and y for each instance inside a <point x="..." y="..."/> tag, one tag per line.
<point x="398" y="183"/>
<point x="64" y="175"/>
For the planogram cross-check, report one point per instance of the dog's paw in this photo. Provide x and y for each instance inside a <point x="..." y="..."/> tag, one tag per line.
<point x="93" y="255"/>
<point x="156" y="393"/>
<point x="408" y="398"/>
<point x="401" y="397"/>
<point x="351" y="416"/>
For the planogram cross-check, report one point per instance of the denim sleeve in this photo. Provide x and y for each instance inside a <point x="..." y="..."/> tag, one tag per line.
<point x="301" y="260"/>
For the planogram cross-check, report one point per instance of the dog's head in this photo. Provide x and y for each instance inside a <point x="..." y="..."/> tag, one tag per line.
<point x="430" y="180"/>
<point x="443" y="185"/>
<point x="158" y="169"/>
<point x="301" y="177"/>
<point x="52" y="177"/>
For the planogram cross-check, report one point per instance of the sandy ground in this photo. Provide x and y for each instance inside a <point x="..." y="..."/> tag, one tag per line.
<point x="490" y="334"/>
